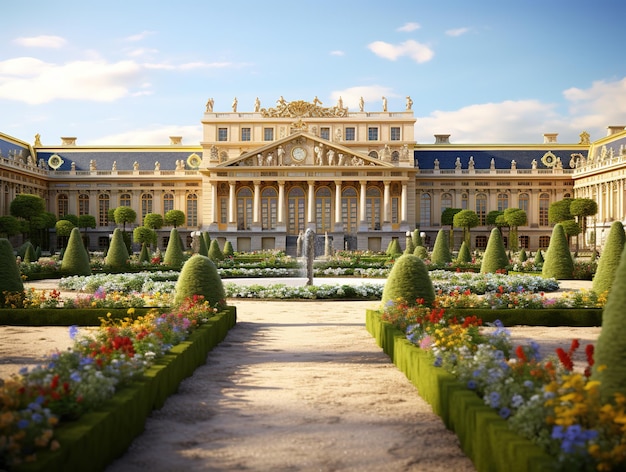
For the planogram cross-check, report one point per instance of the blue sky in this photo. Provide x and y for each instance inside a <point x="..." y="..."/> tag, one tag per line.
<point x="137" y="72"/>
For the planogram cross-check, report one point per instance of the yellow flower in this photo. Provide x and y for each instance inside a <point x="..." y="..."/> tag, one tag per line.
<point x="131" y="311"/>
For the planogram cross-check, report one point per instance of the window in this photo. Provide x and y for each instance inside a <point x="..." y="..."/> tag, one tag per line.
<point x="481" y="207"/>
<point x="168" y="203"/>
<point x="503" y="201"/>
<point x="192" y="209"/>
<point x="446" y="202"/>
<point x="83" y="204"/>
<point x="125" y="199"/>
<point x="223" y="210"/>
<point x="146" y="205"/>
<point x="103" y="209"/>
<point x="396" y="195"/>
<point x="349" y="210"/>
<point x="63" y="205"/>
<point x="523" y="202"/>
<point x="425" y="207"/>
<point x="481" y="242"/>
<point x="464" y="202"/>
<point x="325" y="133"/>
<point x="269" y="208"/>
<point x="244" y="208"/>
<point x="296" y="208"/>
<point x="268" y="134"/>
<point x="222" y="134"/>
<point x="372" y="134"/>
<point x="544" y="204"/>
<point x="524" y="241"/>
<point x="245" y="134"/>
<point x="373" y="208"/>
<point x="544" y="242"/>
<point x="350" y="134"/>
<point x="323" y="207"/>
<point x="395" y="133"/>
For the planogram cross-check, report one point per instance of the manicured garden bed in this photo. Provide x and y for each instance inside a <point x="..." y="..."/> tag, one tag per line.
<point x="65" y="316"/>
<point x="579" y="317"/>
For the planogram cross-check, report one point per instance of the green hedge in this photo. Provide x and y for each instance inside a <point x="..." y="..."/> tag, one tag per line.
<point x="64" y="316"/>
<point x="101" y="436"/>
<point x="580" y="317"/>
<point x="484" y="436"/>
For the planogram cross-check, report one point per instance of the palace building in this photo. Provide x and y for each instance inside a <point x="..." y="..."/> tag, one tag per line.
<point x="260" y="178"/>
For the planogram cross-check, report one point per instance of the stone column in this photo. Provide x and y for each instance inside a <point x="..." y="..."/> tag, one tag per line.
<point x="256" y="209"/>
<point x="362" y="218"/>
<point x="405" y="203"/>
<point x="386" y="203"/>
<point x="281" y="202"/>
<point x="311" y="203"/>
<point x="232" y="203"/>
<point x="214" y="208"/>
<point x="338" y="226"/>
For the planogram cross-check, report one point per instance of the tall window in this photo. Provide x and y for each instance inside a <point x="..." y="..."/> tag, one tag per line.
<point x="268" y="134"/>
<point x="544" y="204"/>
<point x="503" y="201"/>
<point x="223" y="209"/>
<point x="63" y="205"/>
<point x="464" y="202"/>
<point x="104" y="203"/>
<point x="395" y="133"/>
<point x="323" y="207"/>
<point x="481" y="207"/>
<point x="396" y="195"/>
<point x="523" y="202"/>
<point x="245" y="134"/>
<point x="125" y="200"/>
<point x="83" y="204"/>
<point x="446" y="202"/>
<point x="222" y="134"/>
<point x="544" y="242"/>
<point x="349" y="210"/>
<point x="244" y="208"/>
<point x="425" y="209"/>
<point x="350" y="134"/>
<point x="325" y="133"/>
<point x="372" y="134"/>
<point x="269" y="208"/>
<point x="296" y="207"/>
<point x="146" y="205"/>
<point x="168" y="202"/>
<point x="192" y="209"/>
<point x="373" y="205"/>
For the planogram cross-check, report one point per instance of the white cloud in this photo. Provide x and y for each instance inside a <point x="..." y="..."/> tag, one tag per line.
<point x="142" y="52"/>
<point x="139" y="36"/>
<point x="337" y="53"/>
<point x="372" y="96"/>
<point x="457" y="31"/>
<point x="152" y="135"/>
<point x="189" y="65"/>
<point x="416" y="51"/>
<point x="408" y="27"/>
<point x="43" y="41"/>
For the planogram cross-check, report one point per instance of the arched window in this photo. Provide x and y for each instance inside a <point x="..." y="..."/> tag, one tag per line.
<point x="296" y="207"/>
<point x="373" y="154"/>
<point x="425" y="209"/>
<point x="446" y="202"/>
<point x="168" y="202"/>
<point x="63" y="205"/>
<point x="146" y="205"/>
<point x="524" y="201"/>
<point x="503" y="201"/>
<point x="269" y="208"/>
<point x="544" y="205"/>
<point x="104" y="203"/>
<point x="349" y="209"/>
<point x="125" y="200"/>
<point x="192" y="209"/>
<point x="373" y="206"/>
<point x="481" y="207"/>
<point x="83" y="204"/>
<point x="323" y="209"/>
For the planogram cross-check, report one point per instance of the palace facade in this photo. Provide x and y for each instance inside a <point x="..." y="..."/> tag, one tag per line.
<point x="260" y="178"/>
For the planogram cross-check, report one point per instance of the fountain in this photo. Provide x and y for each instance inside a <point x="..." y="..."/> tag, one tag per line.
<point x="309" y="254"/>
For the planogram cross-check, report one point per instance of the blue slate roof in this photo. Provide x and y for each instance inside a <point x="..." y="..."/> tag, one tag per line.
<point x="8" y="148"/>
<point x="482" y="158"/>
<point x="124" y="159"/>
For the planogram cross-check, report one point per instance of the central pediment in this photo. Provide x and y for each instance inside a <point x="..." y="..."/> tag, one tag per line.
<point x="303" y="109"/>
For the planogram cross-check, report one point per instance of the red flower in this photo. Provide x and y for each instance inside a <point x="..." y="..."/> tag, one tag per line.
<point x="565" y="359"/>
<point x="519" y="351"/>
<point x="589" y="350"/>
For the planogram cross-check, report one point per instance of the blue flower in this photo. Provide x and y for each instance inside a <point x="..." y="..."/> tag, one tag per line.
<point x="471" y="384"/>
<point x="73" y="331"/>
<point x="529" y="384"/>
<point x="23" y="423"/>
<point x="493" y="400"/>
<point x="504" y="412"/>
<point x="37" y="418"/>
<point x="517" y="401"/>
<point x="438" y="362"/>
<point x="75" y="377"/>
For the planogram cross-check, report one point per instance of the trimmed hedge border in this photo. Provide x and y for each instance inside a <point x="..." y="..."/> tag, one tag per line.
<point x="65" y="316"/>
<point x="101" y="436"/>
<point x="577" y="317"/>
<point x="484" y="436"/>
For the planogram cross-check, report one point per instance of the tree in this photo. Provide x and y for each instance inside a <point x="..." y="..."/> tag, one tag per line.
<point x="153" y="221"/>
<point x="492" y="217"/>
<point x="199" y="276"/>
<point x="27" y="207"/>
<point x="558" y="260"/>
<point x="144" y="235"/>
<point x="86" y="221"/>
<point x="175" y="218"/>
<point x="64" y="227"/>
<point x="582" y="208"/>
<point x="441" y="250"/>
<point x="75" y="257"/>
<point x="610" y="258"/>
<point x="123" y="215"/>
<point x="10" y="279"/>
<point x="447" y="218"/>
<point x="494" y="258"/>
<point x="45" y="222"/>
<point x="571" y="228"/>
<point x="9" y="226"/>
<point x="514" y="218"/>
<point x="559" y="211"/>
<point x="71" y="218"/>
<point x="409" y="281"/>
<point x="466" y="219"/>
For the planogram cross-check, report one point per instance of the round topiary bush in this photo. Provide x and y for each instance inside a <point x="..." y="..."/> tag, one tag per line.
<point x="10" y="278"/>
<point x="441" y="249"/>
<point x="75" y="257"/>
<point x="215" y="253"/>
<point x="117" y="255"/>
<point x="610" y="353"/>
<point x="558" y="260"/>
<point x="199" y="277"/>
<point x="409" y="281"/>
<point x="228" y="249"/>
<point x="464" y="257"/>
<point x="610" y="258"/>
<point x="421" y="252"/>
<point x="174" y="254"/>
<point x="495" y="257"/>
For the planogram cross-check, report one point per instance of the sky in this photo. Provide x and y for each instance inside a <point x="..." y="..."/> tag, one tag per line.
<point x="136" y="72"/>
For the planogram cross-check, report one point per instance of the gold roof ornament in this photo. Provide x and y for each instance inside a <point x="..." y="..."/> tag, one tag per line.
<point x="303" y="109"/>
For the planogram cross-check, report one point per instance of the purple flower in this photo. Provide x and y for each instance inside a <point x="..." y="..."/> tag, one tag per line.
<point x="504" y="412"/>
<point x="73" y="331"/>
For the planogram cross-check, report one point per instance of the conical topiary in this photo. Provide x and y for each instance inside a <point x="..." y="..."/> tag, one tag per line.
<point x="417" y="238"/>
<point x="464" y="257"/>
<point x="441" y="249"/>
<point x="144" y="255"/>
<point x="394" y="249"/>
<point x="10" y="278"/>
<point x="610" y="353"/>
<point x="199" y="277"/>
<point x="117" y="255"/>
<point x="410" y="247"/>
<point x="558" y="260"/>
<point x="421" y="252"/>
<point x="539" y="258"/>
<point x="207" y="240"/>
<point x="203" y="249"/>
<point x="522" y="255"/>
<point x="228" y="249"/>
<point x="174" y="254"/>
<point x="29" y="253"/>
<point x="495" y="257"/>
<point x="75" y="257"/>
<point x="215" y="253"/>
<point x="409" y="281"/>
<point x="610" y="258"/>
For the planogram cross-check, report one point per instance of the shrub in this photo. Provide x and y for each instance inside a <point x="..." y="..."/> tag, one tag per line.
<point x="410" y="247"/>
<point x="10" y="279"/>
<point x="409" y="281"/>
<point x="441" y="249"/>
<point x="421" y="252"/>
<point x="393" y="249"/>
<point x="75" y="256"/>
<point x="199" y="277"/>
<point x="539" y="257"/>
<point x="417" y="238"/>
<point x="117" y="255"/>
<point x="203" y="249"/>
<point x="558" y="261"/>
<point x="464" y="256"/>
<point x="522" y="255"/>
<point x="144" y="255"/>
<point x="207" y="240"/>
<point x="215" y="253"/>
<point x="174" y="254"/>
<point x="228" y="249"/>
<point x="494" y="258"/>
<point x="610" y="258"/>
<point x="29" y="252"/>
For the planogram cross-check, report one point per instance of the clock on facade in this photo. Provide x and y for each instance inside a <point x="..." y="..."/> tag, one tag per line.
<point x="298" y="153"/>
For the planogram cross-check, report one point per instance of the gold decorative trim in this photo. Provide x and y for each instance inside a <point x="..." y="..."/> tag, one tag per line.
<point x="194" y="161"/>
<point x="548" y="159"/>
<point x="55" y="161"/>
